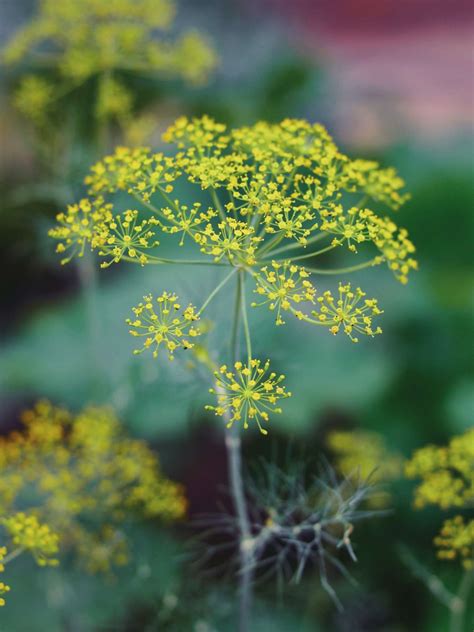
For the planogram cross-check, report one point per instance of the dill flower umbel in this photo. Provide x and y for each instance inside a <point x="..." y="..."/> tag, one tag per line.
<point x="169" y="325"/>
<point x="349" y="313"/>
<point x="28" y="533"/>
<point x="282" y="285"/>
<point x="106" y="40"/>
<point x="366" y="454"/>
<point x="447" y="480"/>
<point x="249" y="393"/>
<point x="255" y="200"/>
<point x="86" y="478"/>
<point x="446" y="472"/>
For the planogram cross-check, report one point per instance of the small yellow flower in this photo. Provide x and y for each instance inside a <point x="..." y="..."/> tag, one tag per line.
<point x="169" y="325"/>
<point x="247" y="394"/>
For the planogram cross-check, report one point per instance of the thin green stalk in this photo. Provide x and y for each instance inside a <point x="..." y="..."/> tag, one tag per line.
<point x="11" y="556"/>
<point x="459" y="604"/>
<point x="360" y="266"/>
<point x="318" y="237"/>
<point x="234" y="462"/>
<point x="89" y="286"/>
<point x="245" y="321"/>
<point x="315" y="253"/>
<point x="273" y="242"/>
<point x="216" y="290"/>
<point x="218" y="204"/>
<point x="187" y="262"/>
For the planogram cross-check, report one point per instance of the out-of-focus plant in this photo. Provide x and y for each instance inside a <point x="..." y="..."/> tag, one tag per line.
<point x="87" y="479"/>
<point x="447" y="481"/>
<point x="275" y="191"/>
<point x="68" y="43"/>
<point x="297" y="519"/>
<point x="366" y="453"/>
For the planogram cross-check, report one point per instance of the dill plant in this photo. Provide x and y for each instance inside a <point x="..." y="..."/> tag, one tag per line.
<point x="446" y="480"/>
<point x="71" y="483"/>
<point x="278" y="195"/>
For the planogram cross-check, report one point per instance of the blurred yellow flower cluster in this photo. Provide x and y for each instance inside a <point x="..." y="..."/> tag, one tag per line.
<point x="78" y="39"/>
<point x="447" y="480"/>
<point x="85" y="477"/>
<point x="4" y="588"/>
<point x="366" y="453"/>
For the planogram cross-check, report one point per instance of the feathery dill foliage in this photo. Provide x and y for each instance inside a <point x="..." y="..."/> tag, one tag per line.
<point x="296" y="520"/>
<point x="75" y="40"/>
<point x="87" y="479"/>
<point x="447" y="480"/>
<point x="275" y="191"/>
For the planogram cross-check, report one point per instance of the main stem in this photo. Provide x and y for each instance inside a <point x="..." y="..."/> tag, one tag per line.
<point x="458" y="609"/>
<point x="234" y="463"/>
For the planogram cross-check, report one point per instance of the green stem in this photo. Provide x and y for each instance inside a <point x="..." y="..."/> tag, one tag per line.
<point x="88" y="280"/>
<point x="298" y="245"/>
<point x="360" y="266"/>
<point x="236" y="320"/>
<point x="216" y="290"/>
<point x="459" y="604"/>
<point x="188" y="262"/>
<point x="11" y="556"/>
<point x="234" y="463"/>
<point x="154" y="209"/>
<point x="245" y="321"/>
<point x="273" y="242"/>
<point x="315" y="253"/>
<point x="218" y="204"/>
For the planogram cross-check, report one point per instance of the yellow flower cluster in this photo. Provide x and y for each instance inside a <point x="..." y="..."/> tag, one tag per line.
<point x="351" y="312"/>
<point x="28" y="533"/>
<point x="33" y="97"/>
<point x="267" y="184"/>
<point x="86" y="477"/>
<point x="249" y="393"/>
<point x="138" y="171"/>
<point x="102" y="37"/>
<point x="383" y="185"/>
<point x="362" y="225"/>
<point x="125" y="236"/>
<point x="447" y="480"/>
<point x="170" y="327"/>
<point x="233" y="239"/>
<point x="456" y="540"/>
<point x="80" y="225"/>
<point x="272" y="191"/>
<point x="446" y="472"/>
<point x="366" y="454"/>
<point x="283" y="285"/>
<point x="4" y="588"/>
